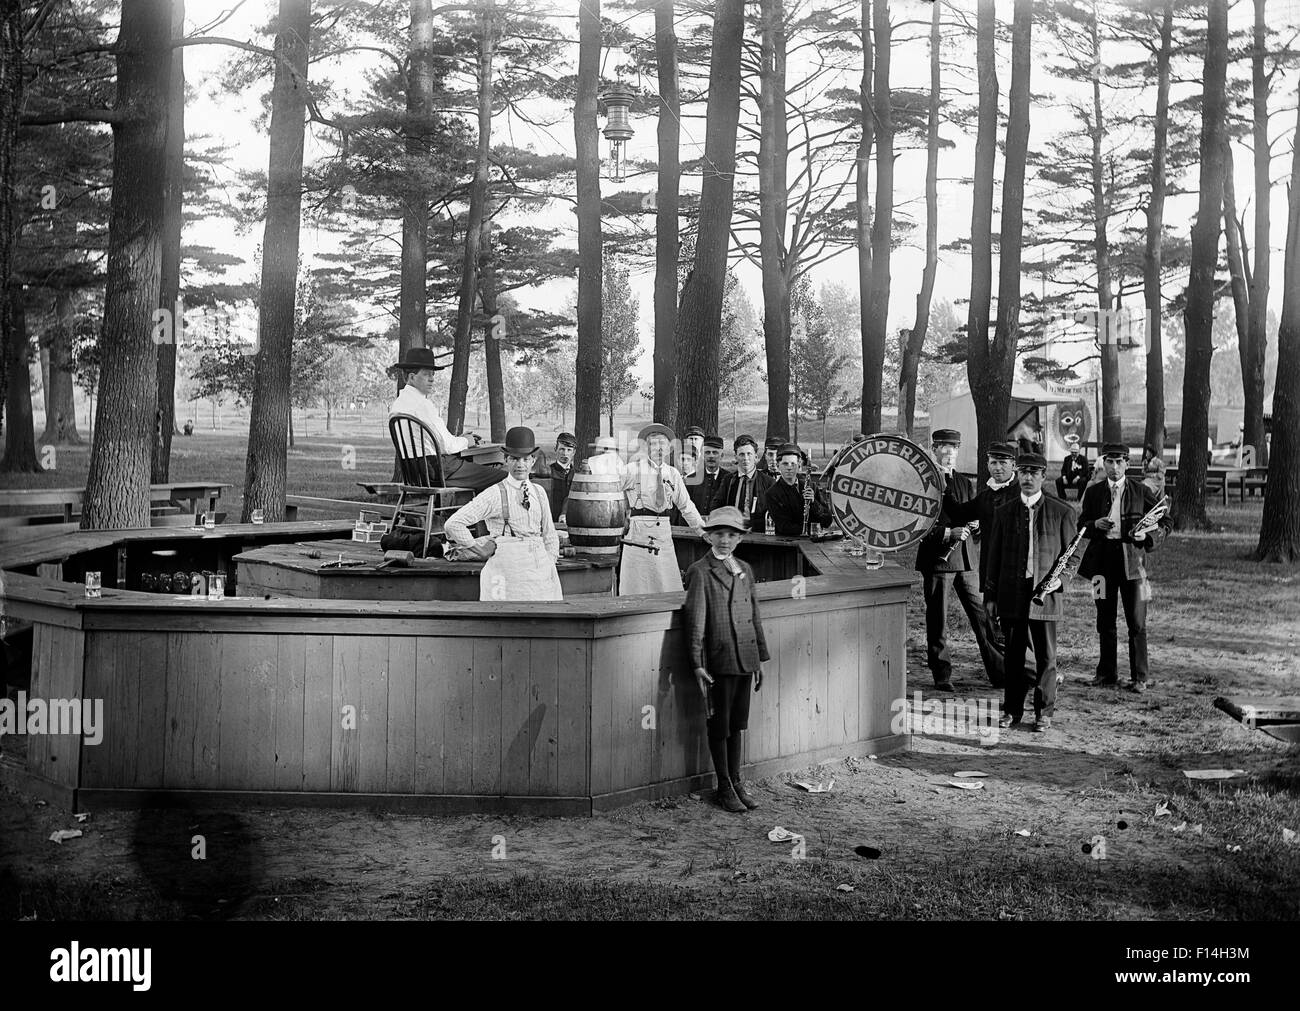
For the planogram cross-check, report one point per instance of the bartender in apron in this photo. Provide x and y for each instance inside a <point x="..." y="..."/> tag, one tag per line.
<point x="518" y="517"/>
<point x="653" y="488"/>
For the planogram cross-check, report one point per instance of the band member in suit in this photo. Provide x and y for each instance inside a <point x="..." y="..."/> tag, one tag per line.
<point x="653" y="487"/>
<point x="1028" y="535"/>
<point x="746" y="486"/>
<point x="561" y="470"/>
<point x="418" y="365"/>
<point x="725" y="637"/>
<point x="1074" y="471"/>
<point x="945" y="558"/>
<point x="768" y="464"/>
<point x="1000" y="489"/>
<point x="1109" y="512"/>
<point x="786" y="500"/>
<point x="709" y="476"/>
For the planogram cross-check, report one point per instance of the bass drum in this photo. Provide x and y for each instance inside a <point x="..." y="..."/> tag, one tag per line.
<point x="885" y="490"/>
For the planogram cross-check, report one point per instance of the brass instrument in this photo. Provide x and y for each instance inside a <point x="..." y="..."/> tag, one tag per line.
<point x="1151" y="520"/>
<point x="972" y="527"/>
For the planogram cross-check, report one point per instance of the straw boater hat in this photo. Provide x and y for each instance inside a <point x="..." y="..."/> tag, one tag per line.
<point x="649" y="430"/>
<point x="520" y="441"/>
<point x="726" y="517"/>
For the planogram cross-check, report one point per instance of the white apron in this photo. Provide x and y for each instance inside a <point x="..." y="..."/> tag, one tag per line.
<point x="520" y="569"/>
<point x="641" y="571"/>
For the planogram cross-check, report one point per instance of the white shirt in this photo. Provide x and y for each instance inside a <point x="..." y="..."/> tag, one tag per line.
<point x="1031" y="557"/>
<point x="642" y="481"/>
<point x="1116" y="506"/>
<point x="605" y="463"/>
<point x="412" y="401"/>
<point x="486" y="507"/>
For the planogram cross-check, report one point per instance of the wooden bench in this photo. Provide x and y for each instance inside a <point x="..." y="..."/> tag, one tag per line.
<point x="1254" y="478"/>
<point x="1216" y="483"/>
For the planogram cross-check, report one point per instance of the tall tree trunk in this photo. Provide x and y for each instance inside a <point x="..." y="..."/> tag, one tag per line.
<point x="882" y="224"/>
<point x="20" y="439"/>
<point x="979" y="361"/>
<point x="586" y="415"/>
<point x="170" y="284"/>
<point x="117" y="484"/>
<point x="1253" y="352"/>
<point x="666" y="223"/>
<point x="11" y="89"/>
<point x="1111" y="422"/>
<point x="699" y="319"/>
<point x="60" y="384"/>
<point x="413" y="310"/>
<point x="265" y="473"/>
<point x="1237" y="266"/>
<point x="914" y="339"/>
<point x="1189" y="493"/>
<point x="773" y="158"/>
<point x="1151" y="260"/>
<point x="1279" y="528"/>
<point x="491" y="343"/>
<point x="473" y="226"/>
<point x="862" y="209"/>
<point x="992" y="390"/>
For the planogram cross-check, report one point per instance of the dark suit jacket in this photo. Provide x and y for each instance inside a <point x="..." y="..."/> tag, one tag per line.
<point x="785" y="505"/>
<point x="1075" y="469"/>
<point x="561" y="480"/>
<point x="726" y="490"/>
<point x="1138" y="501"/>
<point x="965" y="556"/>
<point x="723" y="630"/>
<point x="701" y="487"/>
<point x="1008" y="550"/>
<point x="983" y="507"/>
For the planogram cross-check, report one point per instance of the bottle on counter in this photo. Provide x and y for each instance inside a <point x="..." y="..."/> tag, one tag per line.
<point x="770" y="526"/>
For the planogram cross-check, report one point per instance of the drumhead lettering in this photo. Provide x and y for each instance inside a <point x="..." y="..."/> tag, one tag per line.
<point x="885" y="490"/>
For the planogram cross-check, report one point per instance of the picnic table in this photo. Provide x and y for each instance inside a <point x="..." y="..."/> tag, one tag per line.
<point x="172" y="497"/>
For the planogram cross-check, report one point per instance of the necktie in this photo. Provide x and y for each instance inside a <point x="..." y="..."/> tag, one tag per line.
<point x="524" y="497"/>
<point x="742" y="495"/>
<point x="1031" y="559"/>
<point x="661" y="500"/>
<point x="1116" y="502"/>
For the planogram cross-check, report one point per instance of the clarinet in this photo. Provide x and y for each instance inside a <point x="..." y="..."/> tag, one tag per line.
<point x="807" y="506"/>
<point x="1052" y="581"/>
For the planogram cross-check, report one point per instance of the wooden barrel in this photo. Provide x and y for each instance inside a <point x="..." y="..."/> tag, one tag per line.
<point x="597" y="513"/>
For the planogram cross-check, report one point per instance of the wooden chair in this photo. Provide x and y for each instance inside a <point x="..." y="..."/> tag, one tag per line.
<point x="423" y="495"/>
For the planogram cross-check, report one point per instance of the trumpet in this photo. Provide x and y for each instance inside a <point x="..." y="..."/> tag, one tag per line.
<point x="1151" y="520"/>
<point x="1051" y="582"/>
<point x="972" y="527"/>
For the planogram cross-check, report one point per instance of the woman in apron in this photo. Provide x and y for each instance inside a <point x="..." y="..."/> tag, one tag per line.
<point x="518" y="518"/>
<point x="653" y="487"/>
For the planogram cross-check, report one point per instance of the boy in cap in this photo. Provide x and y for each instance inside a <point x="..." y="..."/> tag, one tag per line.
<point x="945" y="558"/>
<point x="725" y="637"/>
<point x="518" y="516"/>
<point x="1109" y="511"/>
<point x="745" y="487"/>
<point x="786" y="500"/>
<point x="562" y="472"/>
<point x="418" y="365"/>
<point x="1028" y="536"/>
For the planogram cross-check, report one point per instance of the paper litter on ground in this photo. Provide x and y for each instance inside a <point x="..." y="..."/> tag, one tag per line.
<point x="1213" y="773"/>
<point x="780" y="834"/>
<point x="970" y="774"/>
<point x="815" y="787"/>
<point x="64" y="833"/>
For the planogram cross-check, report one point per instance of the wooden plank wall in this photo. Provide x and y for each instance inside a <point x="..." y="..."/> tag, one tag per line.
<point x="56" y="674"/>
<point x="429" y="715"/>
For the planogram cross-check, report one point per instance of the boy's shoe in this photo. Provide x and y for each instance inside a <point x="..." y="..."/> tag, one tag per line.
<point x="728" y="801"/>
<point x="743" y="795"/>
<point x="1007" y="722"/>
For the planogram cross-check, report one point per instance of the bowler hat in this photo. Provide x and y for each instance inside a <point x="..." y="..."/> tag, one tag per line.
<point x="1031" y="460"/>
<point x="566" y="439"/>
<point x="419" y="358"/>
<point x="1003" y="451"/>
<point x="694" y="430"/>
<point x="948" y="435"/>
<point x="726" y="517"/>
<point x="520" y="441"/>
<point x="713" y="442"/>
<point x="1114" y="449"/>
<point x="650" y="430"/>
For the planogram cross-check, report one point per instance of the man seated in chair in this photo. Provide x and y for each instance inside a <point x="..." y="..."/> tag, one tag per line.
<point x="418" y="366"/>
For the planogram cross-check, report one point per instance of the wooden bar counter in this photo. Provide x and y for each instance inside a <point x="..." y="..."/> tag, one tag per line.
<point x="444" y="706"/>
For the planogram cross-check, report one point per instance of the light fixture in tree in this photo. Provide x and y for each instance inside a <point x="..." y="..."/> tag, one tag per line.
<point x="616" y="102"/>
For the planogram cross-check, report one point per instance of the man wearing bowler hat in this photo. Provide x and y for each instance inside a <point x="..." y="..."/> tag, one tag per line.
<point x="418" y="366"/>
<point x="945" y="558"/>
<point x="1028" y="536"/>
<point x="1109" y="511"/>
<point x="562" y="472"/>
<point x="518" y="518"/>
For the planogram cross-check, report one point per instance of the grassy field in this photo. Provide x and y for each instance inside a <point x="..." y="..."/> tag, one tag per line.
<point x="1177" y="849"/>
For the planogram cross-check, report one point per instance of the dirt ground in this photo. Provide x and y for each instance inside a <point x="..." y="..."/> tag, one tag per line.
<point x="1175" y="849"/>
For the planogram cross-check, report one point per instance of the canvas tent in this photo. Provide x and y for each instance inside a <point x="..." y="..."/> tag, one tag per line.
<point x="1058" y="409"/>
